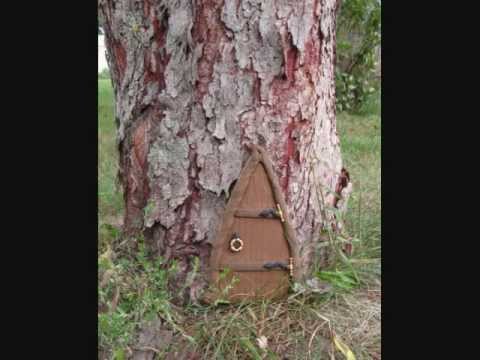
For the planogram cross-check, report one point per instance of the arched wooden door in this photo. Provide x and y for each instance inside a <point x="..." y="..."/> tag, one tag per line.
<point x="253" y="258"/>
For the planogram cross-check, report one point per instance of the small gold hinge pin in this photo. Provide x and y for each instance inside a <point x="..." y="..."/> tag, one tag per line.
<point x="280" y="213"/>
<point x="290" y="266"/>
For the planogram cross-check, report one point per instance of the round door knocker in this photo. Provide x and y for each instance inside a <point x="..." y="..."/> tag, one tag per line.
<point x="236" y="244"/>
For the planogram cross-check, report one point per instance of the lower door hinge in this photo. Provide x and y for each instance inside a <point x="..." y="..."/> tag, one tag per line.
<point x="267" y="266"/>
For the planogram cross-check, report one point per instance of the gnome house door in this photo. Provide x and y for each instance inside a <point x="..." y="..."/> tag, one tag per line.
<point x="253" y="255"/>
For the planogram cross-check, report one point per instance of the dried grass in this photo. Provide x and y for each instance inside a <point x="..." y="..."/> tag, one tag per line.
<point x="297" y="328"/>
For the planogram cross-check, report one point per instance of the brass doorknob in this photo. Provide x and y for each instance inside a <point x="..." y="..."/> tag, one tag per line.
<point x="236" y="244"/>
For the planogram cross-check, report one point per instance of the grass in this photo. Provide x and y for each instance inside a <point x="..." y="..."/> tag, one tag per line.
<point x="110" y="203"/>
<point x="360" y="143"/>
<point x="134" y="302"/>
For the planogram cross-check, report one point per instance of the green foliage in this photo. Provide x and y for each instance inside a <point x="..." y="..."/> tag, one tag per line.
<point x="340" y="279"/>
<point x="252" y="350"/>
<point x="371" y="104"/>
<point x="358" y="40"/>
<point x="110" y="202"/>
<point x="104" y="74"/>
<point x="353" y="91"/>
<point x="228" y="280"/>
<point x="130" y="292"/>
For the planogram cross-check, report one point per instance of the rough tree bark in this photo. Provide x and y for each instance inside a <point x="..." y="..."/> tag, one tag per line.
<point x="194" y="82"/>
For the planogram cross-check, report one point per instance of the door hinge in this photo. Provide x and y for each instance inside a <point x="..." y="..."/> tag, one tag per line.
<point x="266" y="266"/>
<point x="281" y="265"/>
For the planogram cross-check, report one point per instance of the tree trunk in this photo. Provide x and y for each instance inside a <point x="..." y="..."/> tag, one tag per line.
<point x="194" y="83"/>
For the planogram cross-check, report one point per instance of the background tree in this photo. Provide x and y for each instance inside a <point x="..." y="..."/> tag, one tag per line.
<point x="195" y="82"/>
<point x="358" y="53"/>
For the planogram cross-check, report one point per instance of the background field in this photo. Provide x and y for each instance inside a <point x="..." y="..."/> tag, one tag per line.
<point x="132" y="289"/>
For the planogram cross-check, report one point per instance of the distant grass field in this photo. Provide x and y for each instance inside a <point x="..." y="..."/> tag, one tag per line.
<point x="361" y="145"/>
<point x="298" y="326"/>
<point x="109" y="198"/>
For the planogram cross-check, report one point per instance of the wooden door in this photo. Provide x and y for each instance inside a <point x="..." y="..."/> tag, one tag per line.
<point x="255" y="271"/>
